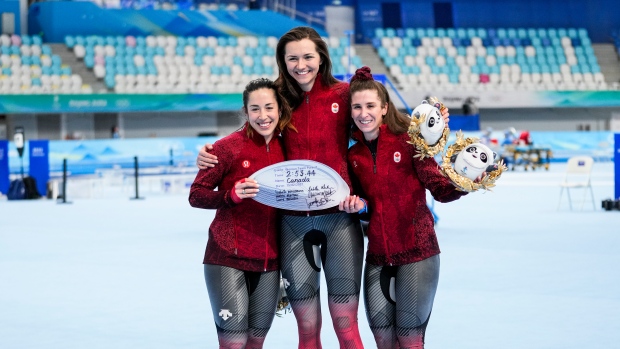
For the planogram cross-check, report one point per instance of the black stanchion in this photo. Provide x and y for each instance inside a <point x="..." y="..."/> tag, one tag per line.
<point x="64" y="183"/>
<point x="135" y="166"/>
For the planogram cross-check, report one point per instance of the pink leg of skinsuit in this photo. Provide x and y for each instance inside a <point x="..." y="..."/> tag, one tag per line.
<point x="335" y="242"/>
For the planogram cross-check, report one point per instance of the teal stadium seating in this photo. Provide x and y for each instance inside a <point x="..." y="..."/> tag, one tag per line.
<point x="30" y="67"/>
<point x="481" y="59"/>
<point x="171" y="64"/>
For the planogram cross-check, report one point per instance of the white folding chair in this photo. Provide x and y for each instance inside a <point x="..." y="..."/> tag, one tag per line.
<point x="578" y="171"/>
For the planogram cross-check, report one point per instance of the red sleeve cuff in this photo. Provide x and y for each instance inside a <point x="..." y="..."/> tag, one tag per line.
<point x="233" y="195"/>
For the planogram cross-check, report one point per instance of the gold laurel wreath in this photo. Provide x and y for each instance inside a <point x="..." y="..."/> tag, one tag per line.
<point x="416" y="139"/>
<point x="463" y="183"/>
<point x="418" y="142"/>
<point x="283" y="307"/>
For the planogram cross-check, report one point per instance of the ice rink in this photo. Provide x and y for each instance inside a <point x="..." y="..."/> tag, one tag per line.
<point x="126" y="274"/>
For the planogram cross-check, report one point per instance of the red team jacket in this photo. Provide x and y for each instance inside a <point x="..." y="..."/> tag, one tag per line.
<point x="245" y="235"/>
<point x="401" y="225"/>
<point x="322" y="121"/>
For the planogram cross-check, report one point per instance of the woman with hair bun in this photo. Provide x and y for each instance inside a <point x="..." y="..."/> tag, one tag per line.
<point x="402" y="261"/>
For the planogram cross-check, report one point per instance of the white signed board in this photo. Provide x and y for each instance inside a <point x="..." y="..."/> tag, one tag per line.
<point x="300" y="185"/>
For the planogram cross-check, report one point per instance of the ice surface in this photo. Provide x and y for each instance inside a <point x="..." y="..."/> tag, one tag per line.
<point x="117" y="273"/>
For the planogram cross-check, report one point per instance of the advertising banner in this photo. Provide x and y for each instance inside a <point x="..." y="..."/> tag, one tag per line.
<point x="40" y="164"/>
<point x="103" y="103"/>
<point x="617" y="165"/>
<point x="117" y="103"/>
<point x="4" y="166"/>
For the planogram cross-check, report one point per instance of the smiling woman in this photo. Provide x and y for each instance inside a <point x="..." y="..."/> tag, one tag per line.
<point x="367" y="111"/>
<point x="402" y="262"/>
<point x="262" y="112"/>
<point x="241" y="262"/>
<point x="302" y="62"/>
<point x="325" y="240"/>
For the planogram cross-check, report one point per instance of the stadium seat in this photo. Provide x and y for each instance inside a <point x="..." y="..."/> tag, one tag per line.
<point x="531" y="58"/>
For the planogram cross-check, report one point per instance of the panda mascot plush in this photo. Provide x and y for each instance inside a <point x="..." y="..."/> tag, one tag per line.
<point x="472" y="161"/>
<point x="433" y="124"/>
<point x="467" y="159"/>
<point x="428" y="131"/>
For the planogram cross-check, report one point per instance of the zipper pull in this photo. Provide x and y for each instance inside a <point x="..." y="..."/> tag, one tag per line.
<point x="374" y="168"/>
<point x="268" y="147"/>
<point x="307" y="99"/>
<point x="235" y="250"/>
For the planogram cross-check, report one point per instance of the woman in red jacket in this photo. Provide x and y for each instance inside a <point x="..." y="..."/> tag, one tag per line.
<point x="241" y="263"/>
<point x="402" y="261"/>
<point x="324" y="240"/>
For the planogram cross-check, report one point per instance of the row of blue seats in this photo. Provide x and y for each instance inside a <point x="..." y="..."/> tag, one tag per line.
<point x="462" y="51"/>
<point x="56" y="70"/>
<point x="128" y="61"/>
<point x="485" y="69"/>
<point x="121" y="41"/>
<point x="36" y="60"/>
<point x="581" y="66"/>
<point x="215" y="70"/>
<point x="503" y="60"/>
<point x="28" y="40"/>
<point x="519" y="58"/>
<point x="487" y="42"/>
<point x="520" y="33"/>
<point x="179" y="51"/>
<point x="14" y="50"/>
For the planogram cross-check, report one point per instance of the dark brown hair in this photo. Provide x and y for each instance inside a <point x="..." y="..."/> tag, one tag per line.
<point x="283" y="106"/>
<point x="396" y="121"/>
<point x="289" y="86"/>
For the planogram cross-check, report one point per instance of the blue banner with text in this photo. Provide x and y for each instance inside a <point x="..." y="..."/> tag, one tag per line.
<point x="4" y="166"/>
<point x="40" y="164"/>
<point x="617" y="164"/>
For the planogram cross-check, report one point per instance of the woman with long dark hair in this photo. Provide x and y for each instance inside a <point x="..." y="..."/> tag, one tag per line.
<point x="241" y="262"/>
<point x="325" y="240"/>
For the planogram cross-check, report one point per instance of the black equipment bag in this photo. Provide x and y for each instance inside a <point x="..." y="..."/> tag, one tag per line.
<point x="17" y="190"/>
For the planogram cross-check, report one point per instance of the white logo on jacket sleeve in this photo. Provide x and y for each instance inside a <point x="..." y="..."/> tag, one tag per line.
<point x="335" y="108"/>
<point x="225" y="314"/>
<point x="397" y="157"/>
<point x="245" y="164"/>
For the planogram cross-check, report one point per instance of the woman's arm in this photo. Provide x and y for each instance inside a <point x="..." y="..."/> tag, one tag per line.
<point x="202" y="192"/>
<point x="432" y="179"/>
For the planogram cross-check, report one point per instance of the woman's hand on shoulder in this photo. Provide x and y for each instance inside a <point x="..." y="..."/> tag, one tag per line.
<point x="205" y="159"/>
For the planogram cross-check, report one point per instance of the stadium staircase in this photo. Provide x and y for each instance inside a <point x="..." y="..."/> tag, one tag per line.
<point x="608" y="60"/>
<point x="370" y="58"/>
<point x="78" y="67"/>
